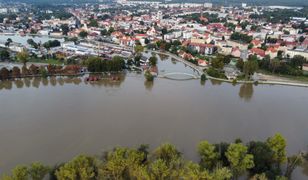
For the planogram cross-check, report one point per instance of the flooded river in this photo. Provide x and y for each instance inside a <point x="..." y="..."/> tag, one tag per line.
<point x="52" y="120"/>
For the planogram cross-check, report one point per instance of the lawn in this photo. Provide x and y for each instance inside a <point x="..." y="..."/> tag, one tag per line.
<point x="47" y="61"/>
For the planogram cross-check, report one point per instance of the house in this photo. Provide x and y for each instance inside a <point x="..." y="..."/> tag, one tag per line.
<point x="151" y="32"/>
<point x="256" y="43"/>
<point x="272" y="52"/>
<point x="225" y="50"/>
<point x="187" y="34"/>
<point x="202" y="63"/>
<point x="260" y="53"/>
<point x="185" y="55"/>
<point x="235" y="52"/>
<point x="202" y="48"/>
<point x="127" y="41"/>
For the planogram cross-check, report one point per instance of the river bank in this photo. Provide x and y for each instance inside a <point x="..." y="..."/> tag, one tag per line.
<point x="266" y="79"/>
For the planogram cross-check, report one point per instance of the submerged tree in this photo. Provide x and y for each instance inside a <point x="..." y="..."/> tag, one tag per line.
<point x="239" y="159"/>
<point x="23" y="57"/>
<point x="209" y="156"/>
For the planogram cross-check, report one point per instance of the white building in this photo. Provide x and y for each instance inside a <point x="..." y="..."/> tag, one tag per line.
<point x="302" y="52"/>
<point x="208" y="5"/>
<point x="3" y="10"/>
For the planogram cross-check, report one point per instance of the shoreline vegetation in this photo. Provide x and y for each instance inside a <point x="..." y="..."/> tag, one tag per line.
<point x="98" y="65"/>
<point x="255" y="160"/>
<point x="269" y="82"/>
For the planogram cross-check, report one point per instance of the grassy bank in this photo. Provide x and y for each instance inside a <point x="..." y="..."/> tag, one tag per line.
<point x="47" y="61"/>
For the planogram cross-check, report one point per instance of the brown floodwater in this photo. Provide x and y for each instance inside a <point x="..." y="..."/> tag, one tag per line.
<point x="52" y="120"/>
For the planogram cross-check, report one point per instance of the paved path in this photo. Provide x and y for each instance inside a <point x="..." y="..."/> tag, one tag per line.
<point x="199" y="69"/>
<point x="170" y="75"/>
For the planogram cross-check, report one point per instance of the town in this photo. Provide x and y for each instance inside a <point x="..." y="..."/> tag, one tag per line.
<point x="272" y="39"/>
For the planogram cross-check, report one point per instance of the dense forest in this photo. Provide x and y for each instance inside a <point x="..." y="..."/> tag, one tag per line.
<point x="223" y="161"/>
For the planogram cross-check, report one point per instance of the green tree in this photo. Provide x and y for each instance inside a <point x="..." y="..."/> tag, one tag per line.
<point x="274" y="64"/>
<point x="138" y="49"/>
<point x="301" y="39"/>
<point x="193" y="171"/>
<point x="65" y="29"/>
<point x="111" y="30"/>
<point x="51" y="43"/>
<point x="94" y="64"/>
<point x="104" y="32"/>
<point x="250" y="67"/>
<point x="298" y="61"/>
<point x="221" y="173"/>
<point x="239" y="159"/>
<point x="83" y="34"/>
<point x="250" y="46"/>
<point x="209" y="156"/>
<point x="244" y="38"/>
<point x="38" y="171"/>
<point x="277" y="144"/>
<point x="8" y="42"/>
<point x="118" y="63"/>
<point x="23" y="57"/>
<point x="261" y="176"/>
<point x="32" y="43"/>
<point x="93" y="23"/>
<point x="159" y="169"/>
<point x="153" y="60"/>
<point x="115" y="165"/>
<point x="167" y="152"/>
<point x="217" y="62"/>
<point x="262" y="157"/>
<point x="4" y="54"/>
<point x="81" y="167"/>
<point x="240" y="64"/>
<point x="20" y="173"/>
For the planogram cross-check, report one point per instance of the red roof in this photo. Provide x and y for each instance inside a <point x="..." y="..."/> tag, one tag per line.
<point x="258" y="51"/>
<point x="272" y="49"/>
<point x="255" y="42"/>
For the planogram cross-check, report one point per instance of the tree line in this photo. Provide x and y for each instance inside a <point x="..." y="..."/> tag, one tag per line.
<point x="42" y="71"/>
<point x="244" y="38"/>
<point x="256" y="160"/>
<point x="97" y="64"/>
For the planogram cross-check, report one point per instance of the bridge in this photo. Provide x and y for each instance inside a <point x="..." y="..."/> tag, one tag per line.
<point x="172" y="75"/>
<point x="199" y="69"/>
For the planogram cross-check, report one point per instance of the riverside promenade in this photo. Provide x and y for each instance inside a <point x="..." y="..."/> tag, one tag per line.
<point x="199" y="69"/>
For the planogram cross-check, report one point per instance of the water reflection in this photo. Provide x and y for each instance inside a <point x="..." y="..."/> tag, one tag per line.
<point x="163" y="57"/>
<point x="202" y="83"/>
<point x="246" y="91"/>
<point x="173" y="61"/>
<point x="148" y="85"/>
<point x="19" y="83"/>
<point x="305" y="168"/>
<point x="215" y="82"/>
<point x="6" y="85"/>
<point x="37" y="82"/>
